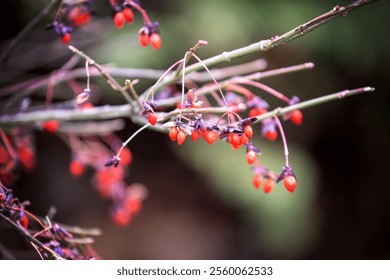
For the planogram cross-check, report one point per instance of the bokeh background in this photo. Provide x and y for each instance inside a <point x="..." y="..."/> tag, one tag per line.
<point x="201" y="203"/>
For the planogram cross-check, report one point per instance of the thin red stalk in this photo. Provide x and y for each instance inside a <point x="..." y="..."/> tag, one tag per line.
<point x="266" y="88"/>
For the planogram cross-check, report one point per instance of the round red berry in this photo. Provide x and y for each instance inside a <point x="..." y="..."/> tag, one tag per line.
<point x="296" y="117"/>
<point x="134" y="205"/>
<point x="268" y="186"/>
<point x="79" y="16"/>
<point x="173" y="133"/>
<point x="256" y="112"/>
<point x="50" y="126"/>
<point x="66" y="38"/>
<point x="210" y="136"/>
<point x="121" y="217"/>
<point x="143" y="39"/>
<point x="119" y="20"/>
<point x="152" y="118"/>
<point x="251" y="157"/>
<point x="244" y="139"/>
<point x="128" y="14"/>
<point x="26" y="157"/>
<point x="126" y="156"/>
<point x="181" y="137"/>
<point x="4" y="155"/>
<point x="194" y="135"/>
<point x="76" y="168"/>
<point x="248" y="131"/>
<point x="155" y="41"/>
<point x="23" y="220"/>
<point x="257" y="180"/>
<point x="290" y="183"/>
<point x="271" y="135"/>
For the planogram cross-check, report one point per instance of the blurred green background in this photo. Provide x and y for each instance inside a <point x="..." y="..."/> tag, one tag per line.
<point x="202" y="204"/>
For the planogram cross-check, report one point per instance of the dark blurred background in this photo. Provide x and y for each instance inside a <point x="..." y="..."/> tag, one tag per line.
<point x="201" y="203"/>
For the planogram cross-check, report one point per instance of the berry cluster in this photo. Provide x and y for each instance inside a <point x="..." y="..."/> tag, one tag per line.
<point x="51" y="240"/>
<point x="69" y="16"/>
<point x="239" y="110"/>
<point x="74" y="14"/>
<point x="16" y="149"/>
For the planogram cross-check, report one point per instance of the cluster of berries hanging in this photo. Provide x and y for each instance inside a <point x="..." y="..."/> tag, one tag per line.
<point x="17" y="151"/>
<point x="234" y="126"/>
<point x="73" y="14"/>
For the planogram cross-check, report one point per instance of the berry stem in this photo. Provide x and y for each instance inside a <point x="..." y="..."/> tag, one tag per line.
<point x="266" y="88"/>
<point x="130" y="85"/>
<point x="124" y="144"/>
<point x="141" y="10"/>
<point x="283" y="139"/>
<point x="151" y="90"/>
<point x="110" y="80"/>
<point x="211" y="75"/>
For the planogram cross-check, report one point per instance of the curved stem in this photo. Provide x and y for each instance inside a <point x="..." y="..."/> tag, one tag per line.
<point x="283" y="136"/>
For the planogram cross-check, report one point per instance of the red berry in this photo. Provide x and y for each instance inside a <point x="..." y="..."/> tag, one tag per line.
<point x="26" y="157"/>
<point x="251" y="157"/>
<point x="23" y="220"/>
<point x="236" y="146"/>
<point x="268" y="186"/>
<point x="181" y="137"/>
<point x="290" y="183"/>
<point x="271" y="135"/>
<point x="143" y="39"/>
<point x="234" y="139"/>
<point x="248" y="131"/>
<point x="257" y="180"/>
<point x="79" y="17"/>
<point x="129" y="15"/>
<point x="296" y="117"/>
<point x="155" y="41"/>
<point x="256" y="112"/>
<point x="210" y="136"/>
<point x="126" y="156"/>
<point x="194" y="135"/>
<point x="152" y="118"/>
<point x="66" y="38"/>
<point x="121" y="217"/>
<point x="50" y="126"/>
<point x="119" y="20"/>
<point x="4" y="155"/>
<point x="76" y="168"/>
<point x="134" y="205"/>
<point x="173" y="133"/>
<point x="244" y="139"/>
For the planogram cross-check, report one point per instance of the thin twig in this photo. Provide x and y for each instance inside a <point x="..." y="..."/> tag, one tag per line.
<point x="110" y="112"/>
<point x="265" y="45"/>
<point x="29" y="237"/>
<point x="110" y="80"/>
